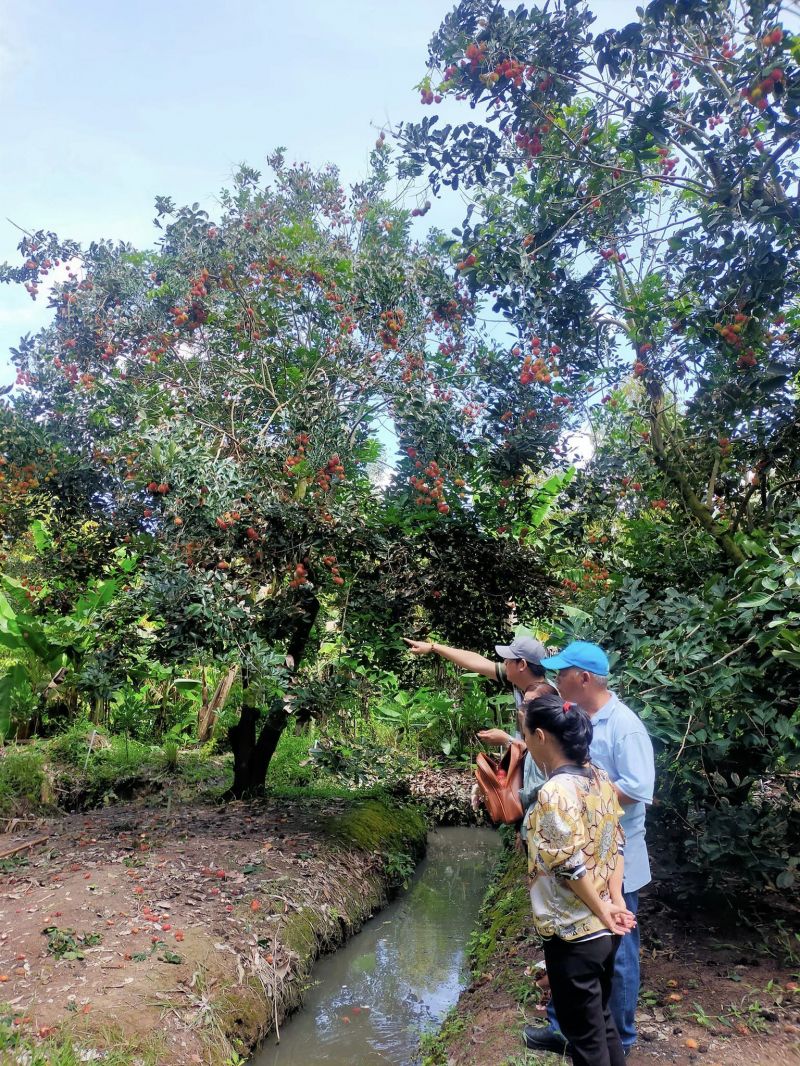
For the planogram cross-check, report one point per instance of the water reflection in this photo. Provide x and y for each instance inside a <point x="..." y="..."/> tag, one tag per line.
<point x="402" y="973"/>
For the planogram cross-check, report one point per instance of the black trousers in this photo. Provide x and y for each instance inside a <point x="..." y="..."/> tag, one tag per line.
<point x="580" y="983"/>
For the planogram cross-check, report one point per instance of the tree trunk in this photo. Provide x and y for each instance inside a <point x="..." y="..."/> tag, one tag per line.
<point x="209" y="709"/>
<point x="253" y="750"/>
<point x="96" y="713"/>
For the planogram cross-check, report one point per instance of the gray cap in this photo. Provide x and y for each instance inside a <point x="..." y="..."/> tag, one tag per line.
<point x="522" y="647"/>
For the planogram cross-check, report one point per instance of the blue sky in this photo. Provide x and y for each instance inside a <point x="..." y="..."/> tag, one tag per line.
<point x="103" y="106"/>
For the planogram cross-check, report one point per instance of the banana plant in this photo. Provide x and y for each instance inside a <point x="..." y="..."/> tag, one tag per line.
<point x="44" y="649"/>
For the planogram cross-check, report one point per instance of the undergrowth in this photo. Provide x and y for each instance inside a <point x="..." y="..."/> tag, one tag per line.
<point x="17" y="1046"/>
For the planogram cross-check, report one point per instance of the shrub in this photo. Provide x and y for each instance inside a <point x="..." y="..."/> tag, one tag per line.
<point x="72" y="746"/>
<point x="171" y="750"/>
<point x="714" y="674"/>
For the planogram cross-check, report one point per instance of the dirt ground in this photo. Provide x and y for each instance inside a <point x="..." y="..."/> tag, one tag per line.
<point x="180" y="933"/>
<point x="710" y="996"/>
<point x="177" y="932"/>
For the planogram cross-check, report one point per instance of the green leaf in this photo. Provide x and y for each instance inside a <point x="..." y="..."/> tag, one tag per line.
<point x="101" y="595"/>
<point x="13" y="685"/>
<point x="755" y="601"/>
<point x="42" y="540"/>
<point x="188" y="684"/>
<point x="576" y="612"/>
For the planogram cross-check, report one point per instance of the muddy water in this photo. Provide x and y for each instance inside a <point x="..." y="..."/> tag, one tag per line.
<point x="399" y="976"/>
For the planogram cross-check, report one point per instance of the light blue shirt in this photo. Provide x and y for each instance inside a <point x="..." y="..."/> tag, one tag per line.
<point x="622" y="747"/>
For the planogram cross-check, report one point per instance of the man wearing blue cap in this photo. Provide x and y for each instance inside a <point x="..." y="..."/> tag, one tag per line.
<point x="620" y="746"/>
<point x="520" y="667"/>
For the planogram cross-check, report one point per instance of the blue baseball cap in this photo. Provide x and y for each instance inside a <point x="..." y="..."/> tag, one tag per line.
<point x="582" y="654"/>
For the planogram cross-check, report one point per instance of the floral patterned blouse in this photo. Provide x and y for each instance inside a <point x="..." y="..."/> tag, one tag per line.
<point x="573" y="831"/>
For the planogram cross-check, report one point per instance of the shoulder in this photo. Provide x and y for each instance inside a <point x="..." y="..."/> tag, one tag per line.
<point x="605" y="788"/>
<point x="601" y="775"/>
<point x="557" y="790"/>
<point x="624" y="720"/>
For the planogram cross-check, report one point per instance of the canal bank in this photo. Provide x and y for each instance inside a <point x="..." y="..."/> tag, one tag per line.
<point x="372" y="999"/>
<point x="157" y="935"/>
<point x="716" y="990"/>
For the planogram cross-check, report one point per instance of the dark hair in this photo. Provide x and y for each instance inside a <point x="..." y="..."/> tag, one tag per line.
<point x="535" y="668"/>
<point x="567" y="722"/>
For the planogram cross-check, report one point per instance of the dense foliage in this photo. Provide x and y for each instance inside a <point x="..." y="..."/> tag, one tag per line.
<point x="632" y="218"/>
<point x="197" y="439"/>
<point x="238" y="466"/>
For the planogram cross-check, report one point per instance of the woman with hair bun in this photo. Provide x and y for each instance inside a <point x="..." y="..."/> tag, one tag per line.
<point x="575" y="863"/>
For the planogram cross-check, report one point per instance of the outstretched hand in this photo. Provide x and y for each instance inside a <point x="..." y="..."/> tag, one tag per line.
<point x="495" y="736"/>
<point x="419" y="647"/>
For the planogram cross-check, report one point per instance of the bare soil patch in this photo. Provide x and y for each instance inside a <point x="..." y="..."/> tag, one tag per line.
<point x="185" y="933"/>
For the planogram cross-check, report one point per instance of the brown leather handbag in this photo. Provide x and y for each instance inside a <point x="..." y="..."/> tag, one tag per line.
<point x="502" y="796"/>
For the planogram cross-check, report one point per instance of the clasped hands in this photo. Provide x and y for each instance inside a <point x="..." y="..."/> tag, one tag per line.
<point x="617" y="918"/>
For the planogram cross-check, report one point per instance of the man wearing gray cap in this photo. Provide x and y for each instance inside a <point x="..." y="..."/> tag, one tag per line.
<point x="521" y="667"/>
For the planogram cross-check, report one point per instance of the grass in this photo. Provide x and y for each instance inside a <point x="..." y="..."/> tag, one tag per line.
<point x="68" y="1049"/>
<point x="505" y="912"/>
<point x="286" y="769"/>
<point x="377" y="827"/>
<point x="292" y="776"/>
<point x="22" y="780"/>
<point x="62" y="771"/>
<point x="434" y="1046"/>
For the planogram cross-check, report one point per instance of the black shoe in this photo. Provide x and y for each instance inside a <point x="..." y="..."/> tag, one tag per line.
<point x="543" y="1038"/>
